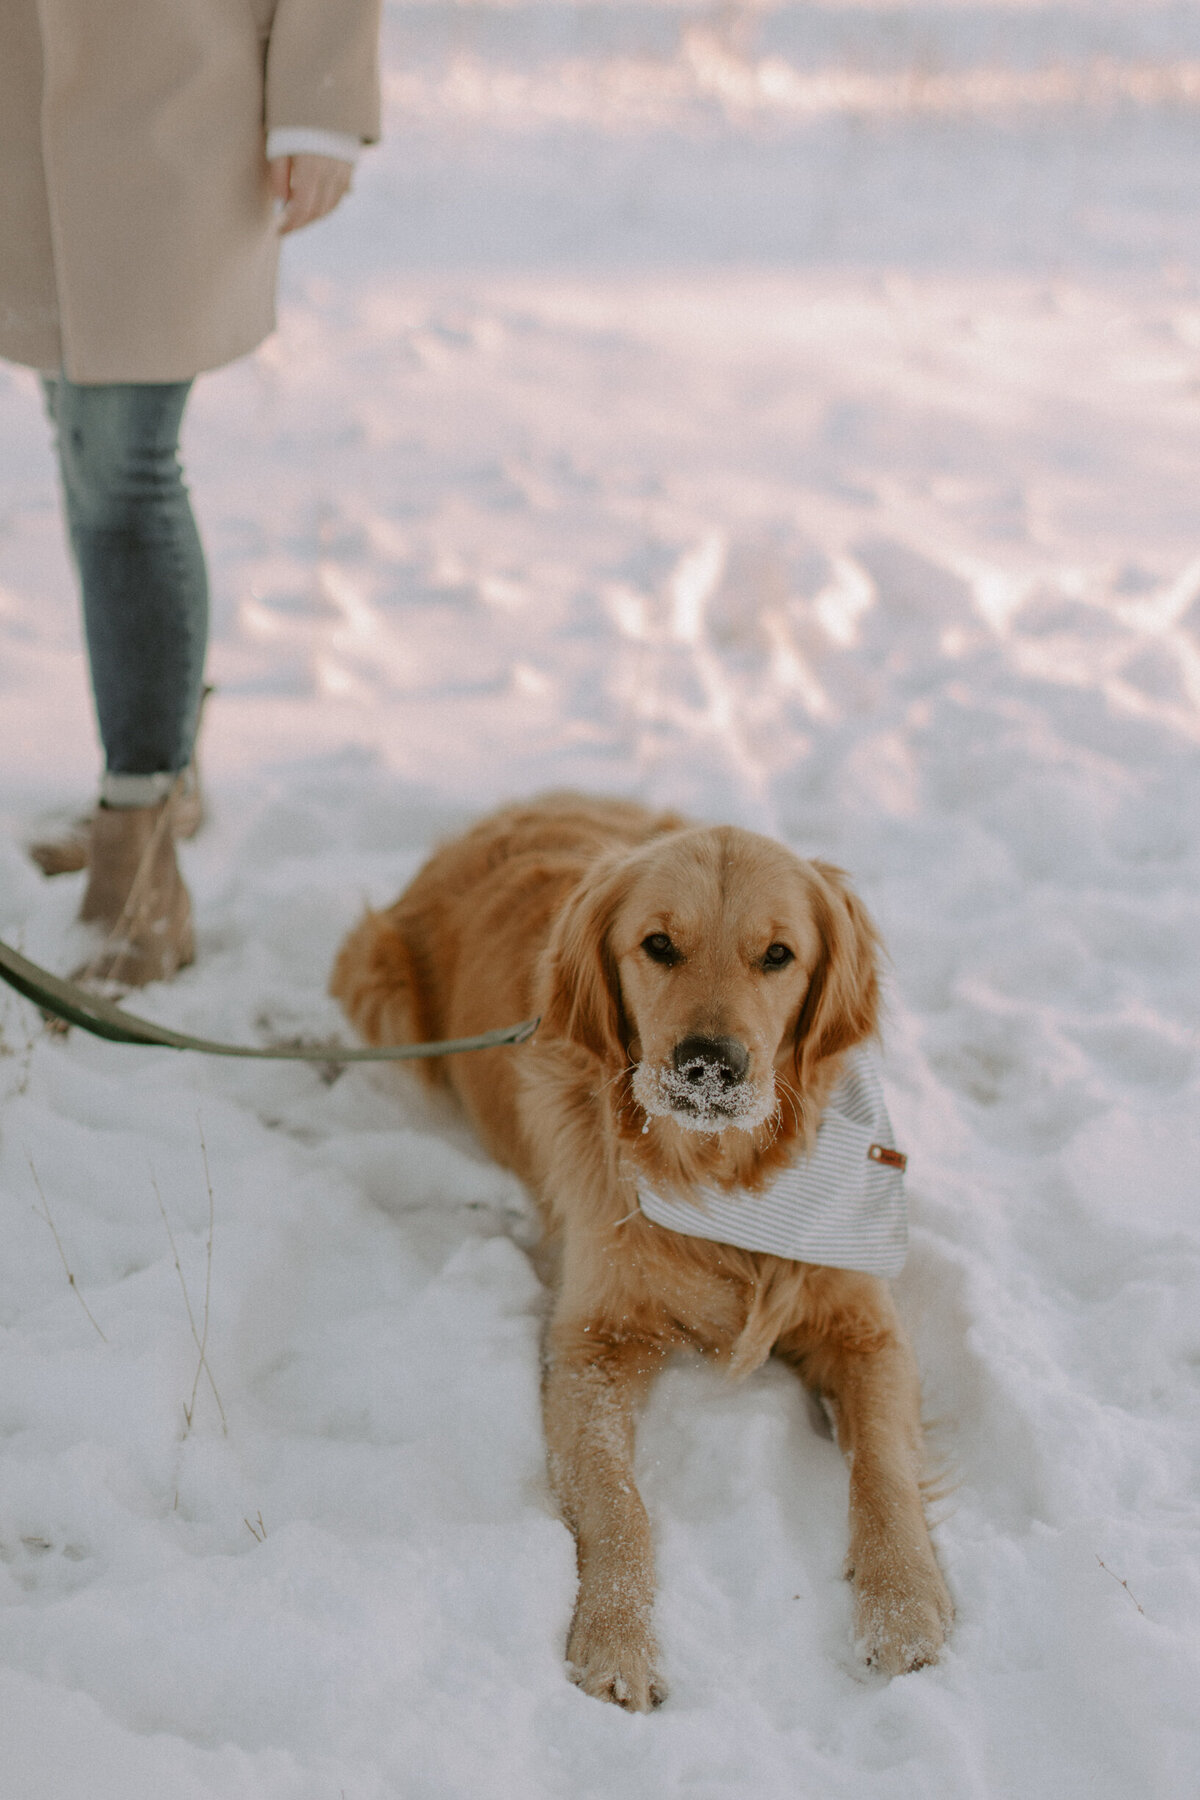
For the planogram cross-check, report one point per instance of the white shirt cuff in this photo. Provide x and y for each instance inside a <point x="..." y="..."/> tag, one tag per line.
<point x="136" y="790"/>
<point x="298" y="140"/>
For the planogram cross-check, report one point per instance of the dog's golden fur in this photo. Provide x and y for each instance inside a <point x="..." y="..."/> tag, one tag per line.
<point x="697" y="989"/>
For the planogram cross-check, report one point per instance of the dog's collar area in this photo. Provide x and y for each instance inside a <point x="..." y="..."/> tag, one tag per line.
<point x="842" y="1205"/>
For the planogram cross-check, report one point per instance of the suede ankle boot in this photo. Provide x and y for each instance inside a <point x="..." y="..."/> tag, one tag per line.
<point x="63" y="848"/>
<point x="135" y="894"/>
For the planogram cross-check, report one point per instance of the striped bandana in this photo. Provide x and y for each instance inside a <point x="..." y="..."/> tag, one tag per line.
<point x="841" y="1205"/>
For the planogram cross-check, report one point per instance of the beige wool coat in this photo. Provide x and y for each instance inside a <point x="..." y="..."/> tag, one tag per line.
<point x="136" y="231"/>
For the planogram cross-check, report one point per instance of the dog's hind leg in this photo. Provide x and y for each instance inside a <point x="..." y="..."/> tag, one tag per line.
<point x="593" y="1381"/>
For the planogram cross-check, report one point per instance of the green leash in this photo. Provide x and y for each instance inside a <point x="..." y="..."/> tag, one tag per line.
<point x="76" y="1006"/>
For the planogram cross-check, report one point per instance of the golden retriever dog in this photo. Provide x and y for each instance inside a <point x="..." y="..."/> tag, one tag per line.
<point x="699" y="991"/>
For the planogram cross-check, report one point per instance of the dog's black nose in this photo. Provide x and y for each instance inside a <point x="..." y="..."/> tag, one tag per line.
<point x="700" y="1059"/>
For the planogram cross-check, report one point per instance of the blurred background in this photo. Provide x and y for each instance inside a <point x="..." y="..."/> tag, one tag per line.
<point x="790" y="413"/>
<point x="1012" y="135"/>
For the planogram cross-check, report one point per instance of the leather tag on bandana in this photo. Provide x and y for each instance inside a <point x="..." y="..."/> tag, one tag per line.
<point x="890" y="1158"/>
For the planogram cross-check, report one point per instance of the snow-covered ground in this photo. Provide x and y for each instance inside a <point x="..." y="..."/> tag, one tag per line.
<point x="790" y="412"/>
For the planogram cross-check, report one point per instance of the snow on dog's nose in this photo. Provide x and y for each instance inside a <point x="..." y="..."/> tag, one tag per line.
<point x="705" y="1087"/>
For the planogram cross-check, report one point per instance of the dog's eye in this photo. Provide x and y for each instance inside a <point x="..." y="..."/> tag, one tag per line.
<point x="775" y="956"/>
<point x="660" y="949"/>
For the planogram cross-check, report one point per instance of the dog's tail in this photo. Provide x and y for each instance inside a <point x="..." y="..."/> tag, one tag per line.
<point x="374" y="980"/>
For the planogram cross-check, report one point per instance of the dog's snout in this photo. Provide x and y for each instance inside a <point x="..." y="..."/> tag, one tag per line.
<point x="700" y="1059"/>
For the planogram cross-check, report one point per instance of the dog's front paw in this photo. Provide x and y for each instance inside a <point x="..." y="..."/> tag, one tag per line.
<point x="902" y="1614"/>
<point x="612" y="1657"/>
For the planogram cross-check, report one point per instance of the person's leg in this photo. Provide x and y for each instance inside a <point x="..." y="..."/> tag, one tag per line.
<point x="145" y="604"/>
<point x="141" y="572"/>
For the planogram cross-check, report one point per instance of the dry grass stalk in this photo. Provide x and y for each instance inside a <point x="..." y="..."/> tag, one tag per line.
<point x="199" y="1341"/>
<point x="203" y="1363"/>
<point x="45" y="1214"/>
<point x="1121" y="1582"/>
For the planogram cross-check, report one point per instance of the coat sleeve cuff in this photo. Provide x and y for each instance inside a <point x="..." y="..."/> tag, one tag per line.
<point x="323" y="66"/>
<point x="298" y="140"/>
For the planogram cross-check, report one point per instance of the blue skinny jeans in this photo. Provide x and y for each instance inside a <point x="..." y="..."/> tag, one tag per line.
<point x="140" y="562"/>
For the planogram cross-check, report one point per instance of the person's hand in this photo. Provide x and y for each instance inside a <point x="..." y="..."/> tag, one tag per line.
<point x="308" y="186"/>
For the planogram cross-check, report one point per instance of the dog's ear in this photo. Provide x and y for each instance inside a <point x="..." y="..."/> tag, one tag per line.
<point x="580" y="985"/>
<point x="841" y="1007"/>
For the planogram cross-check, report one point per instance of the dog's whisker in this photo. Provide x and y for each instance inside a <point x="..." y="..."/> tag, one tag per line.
<point x="619" y="1076"/>
<point x="793" y="1099"/>
<point x="774" y="1121"/>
